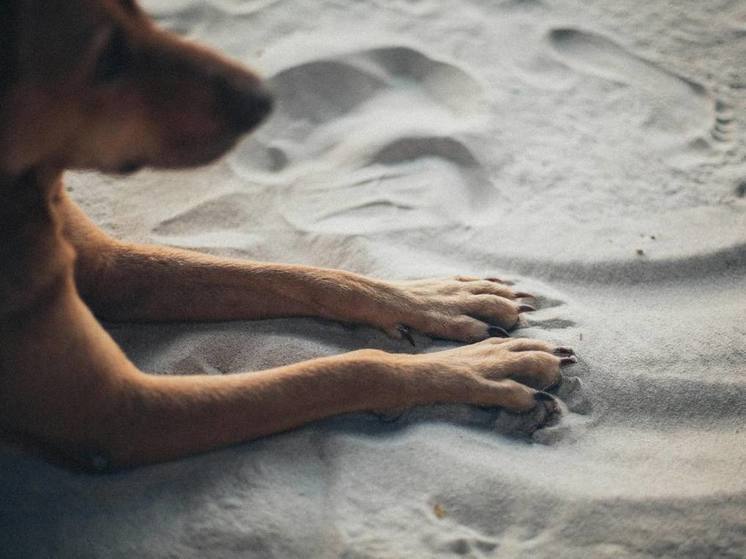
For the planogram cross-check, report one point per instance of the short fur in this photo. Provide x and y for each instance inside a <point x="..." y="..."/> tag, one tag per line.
<point x="92" y="84"/>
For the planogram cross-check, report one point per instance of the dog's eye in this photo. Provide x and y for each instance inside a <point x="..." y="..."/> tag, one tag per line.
<point x="115" y="59"/>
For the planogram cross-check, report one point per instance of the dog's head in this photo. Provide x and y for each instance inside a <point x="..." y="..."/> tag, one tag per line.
<point x="95" y="84"/>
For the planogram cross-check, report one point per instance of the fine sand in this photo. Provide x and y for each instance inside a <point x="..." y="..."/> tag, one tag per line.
<point x="593" y="152"/>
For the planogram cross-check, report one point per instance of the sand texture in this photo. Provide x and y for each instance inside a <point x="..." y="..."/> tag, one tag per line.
<point x="593" y="152"/>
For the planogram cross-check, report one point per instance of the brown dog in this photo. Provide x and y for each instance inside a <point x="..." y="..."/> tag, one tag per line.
<point x="94" y="84"/>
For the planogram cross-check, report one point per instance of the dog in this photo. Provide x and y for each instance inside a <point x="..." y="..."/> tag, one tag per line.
<point x="95" y="84"/>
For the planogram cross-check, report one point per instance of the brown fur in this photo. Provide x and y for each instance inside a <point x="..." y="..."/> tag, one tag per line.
<point x="93" y="84"/>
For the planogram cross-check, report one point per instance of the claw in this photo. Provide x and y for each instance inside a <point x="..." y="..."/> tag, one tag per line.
<point x="523" y="295"/>
<point x="552" y="407"/>
<point x="497" y="332"/>
<point x="563" y="351"/>
<point x="407" y="335"/>
<point x="526" y="308"/>
<point x="568" y="360"/>
<point x="498" y="280"/>
<point x="554" y="387"/>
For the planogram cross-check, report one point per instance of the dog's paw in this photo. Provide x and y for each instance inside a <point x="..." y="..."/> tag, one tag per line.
<point x="546" y="413"/>
<point x="463" y="308"/>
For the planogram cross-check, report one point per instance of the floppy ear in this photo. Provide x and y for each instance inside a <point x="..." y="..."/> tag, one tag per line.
<point x="8" y="43"/>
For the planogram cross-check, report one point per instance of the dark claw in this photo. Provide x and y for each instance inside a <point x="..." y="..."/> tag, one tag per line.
<point x="553" y="411"/>
<point x="563" y="351"/>
<point x="555" y="386"/>
<point x="526" y="308"/>
<point x="497" y="332"/>
<point x="539" y="396"/>
<point x="568" y="360"/>
<point x="407" y="335"/>
<point x="498" y="280"/>
<point x="523" y="295"/>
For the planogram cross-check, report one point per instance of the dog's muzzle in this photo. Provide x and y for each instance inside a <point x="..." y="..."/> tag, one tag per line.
<point x="244" y="107"/>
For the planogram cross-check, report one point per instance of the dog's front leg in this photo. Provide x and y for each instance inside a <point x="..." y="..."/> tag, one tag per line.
<point x="65" y="383"/>
<point x="124" y="281"/>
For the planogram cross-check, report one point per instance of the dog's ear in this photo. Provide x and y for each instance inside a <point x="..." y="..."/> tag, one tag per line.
<point x="8" y="43"/>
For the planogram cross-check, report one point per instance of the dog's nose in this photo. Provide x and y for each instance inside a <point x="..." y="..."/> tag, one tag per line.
<point x="245" y="106"/>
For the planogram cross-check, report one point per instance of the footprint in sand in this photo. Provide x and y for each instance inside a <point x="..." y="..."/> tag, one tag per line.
<point x="216" y="223"/>
<point x="370" y="141"/>
<point x="676" y="106"/>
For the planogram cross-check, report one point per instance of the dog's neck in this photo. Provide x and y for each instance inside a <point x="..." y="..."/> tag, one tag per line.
<point x="31" y="238"/>
<point x="32" y="187"/>
<point x="27" y="200"/>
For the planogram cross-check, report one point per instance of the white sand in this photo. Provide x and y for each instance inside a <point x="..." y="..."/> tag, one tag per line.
<point x="545" y="141"/>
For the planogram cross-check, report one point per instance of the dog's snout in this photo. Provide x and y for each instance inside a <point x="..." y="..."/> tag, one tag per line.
<point x="244" y="106"/>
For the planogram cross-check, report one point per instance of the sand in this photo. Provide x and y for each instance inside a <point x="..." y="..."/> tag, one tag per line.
<point x="592" y="152"/>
